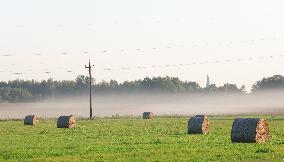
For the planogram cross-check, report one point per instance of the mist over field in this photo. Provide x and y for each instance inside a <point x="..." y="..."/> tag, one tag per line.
<point x="269" y="102"/>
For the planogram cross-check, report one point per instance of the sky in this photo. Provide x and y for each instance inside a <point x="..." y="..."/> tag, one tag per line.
<point x="235" y="41"/>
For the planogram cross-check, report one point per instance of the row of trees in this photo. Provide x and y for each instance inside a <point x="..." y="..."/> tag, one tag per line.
<point x="271" y="83"/>
<point x="31" y="90"/>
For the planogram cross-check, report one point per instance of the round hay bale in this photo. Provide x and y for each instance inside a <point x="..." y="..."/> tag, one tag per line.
<point x="250" y="130"/>
<point x="198" y="125"/>
<point x="148" y="115"/>
<point x="31" y="120"/>
<point x="66" y="122"/>
<point x="200" y="116"/>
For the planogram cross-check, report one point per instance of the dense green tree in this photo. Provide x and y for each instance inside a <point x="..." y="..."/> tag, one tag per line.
<point x="14" y="95"/>
<point x="275" y="82"/>
<point x="29" y="90"/>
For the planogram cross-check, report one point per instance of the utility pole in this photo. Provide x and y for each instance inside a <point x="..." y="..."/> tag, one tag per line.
<point x="90" y="74"/>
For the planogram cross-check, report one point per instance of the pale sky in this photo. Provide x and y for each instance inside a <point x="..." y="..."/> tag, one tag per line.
<point x="235" y="41"/>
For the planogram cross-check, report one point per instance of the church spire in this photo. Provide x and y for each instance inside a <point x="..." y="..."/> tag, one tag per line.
<point x="208" y="82"/>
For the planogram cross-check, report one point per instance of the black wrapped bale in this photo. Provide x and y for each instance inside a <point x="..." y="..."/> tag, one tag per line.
<point x="66" y="122"/>
<point x="198" y="125"/>
<point x="250" y="130"/>
<point x="148" y="115"/>
<point x="31" y="120"/>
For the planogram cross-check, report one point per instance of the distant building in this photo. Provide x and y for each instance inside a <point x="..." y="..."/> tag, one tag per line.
<point x="208" y="82"/>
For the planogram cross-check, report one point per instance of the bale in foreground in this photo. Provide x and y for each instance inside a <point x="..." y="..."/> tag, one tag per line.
<point x="31" y="120"/>
<point x="198" y="125"/>
<point x="148" y="115"/>
<point x="66" y="122"/>
<point x="250" y="130"/>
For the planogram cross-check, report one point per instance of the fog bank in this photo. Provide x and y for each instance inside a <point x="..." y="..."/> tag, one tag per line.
<point x="136" y="104"/>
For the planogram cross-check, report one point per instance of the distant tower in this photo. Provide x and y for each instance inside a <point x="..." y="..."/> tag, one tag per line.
<point x="208" y="82"/>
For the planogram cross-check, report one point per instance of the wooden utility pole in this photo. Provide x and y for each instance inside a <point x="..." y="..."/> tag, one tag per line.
<point x="90" y="74"/>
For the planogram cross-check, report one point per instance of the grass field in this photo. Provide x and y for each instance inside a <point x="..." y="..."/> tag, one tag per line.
<point x="134" y="139"/>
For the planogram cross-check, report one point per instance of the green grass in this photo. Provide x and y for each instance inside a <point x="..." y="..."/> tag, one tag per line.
<point x="133" y="139"/>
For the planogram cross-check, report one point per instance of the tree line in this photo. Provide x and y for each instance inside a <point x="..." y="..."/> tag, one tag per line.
<point x="32" y="90"/>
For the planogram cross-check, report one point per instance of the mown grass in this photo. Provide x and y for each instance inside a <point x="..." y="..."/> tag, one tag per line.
<point x="133" y="139"/>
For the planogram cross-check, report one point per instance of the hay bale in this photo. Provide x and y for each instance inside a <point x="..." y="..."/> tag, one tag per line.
<point x="66" y="122"/>
<point x="198" y="125"/>
<point x="148" y="115"/>
<point x="31" y="120"/>
<point x="201" y="116"/>
<point x="116" y="116"/>
<point x="250" y="130"/>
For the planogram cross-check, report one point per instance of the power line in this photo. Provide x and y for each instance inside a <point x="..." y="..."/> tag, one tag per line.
<point x="202" y="62"/>
<point x="195" y="63"/>
<point x="168" y="47"/>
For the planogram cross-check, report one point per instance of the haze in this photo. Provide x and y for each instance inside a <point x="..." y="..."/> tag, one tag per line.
<point x="134" y="105"/>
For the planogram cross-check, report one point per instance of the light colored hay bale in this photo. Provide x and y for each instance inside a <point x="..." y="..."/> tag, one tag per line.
<point x="31" y="120"/>
<point x="250" y="130"/>
<point x="66" y="122"/>
<point x="198" y="125"/>
<point x="148" y="115"/>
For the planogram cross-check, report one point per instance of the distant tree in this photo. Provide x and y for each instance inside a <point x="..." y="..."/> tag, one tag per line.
<point x="229" y="88"/>
<point x="191" y="87"/>
<point x="243" y="89"/>
<point x="82" y="82"/>
<point x="113" y="84"/>
<point x="226" y="88"/>
<point x="212" y="88"/>
<point x="15" y="94"/>
<point x="29" y="90"/>
<point x="275" y="82"/>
